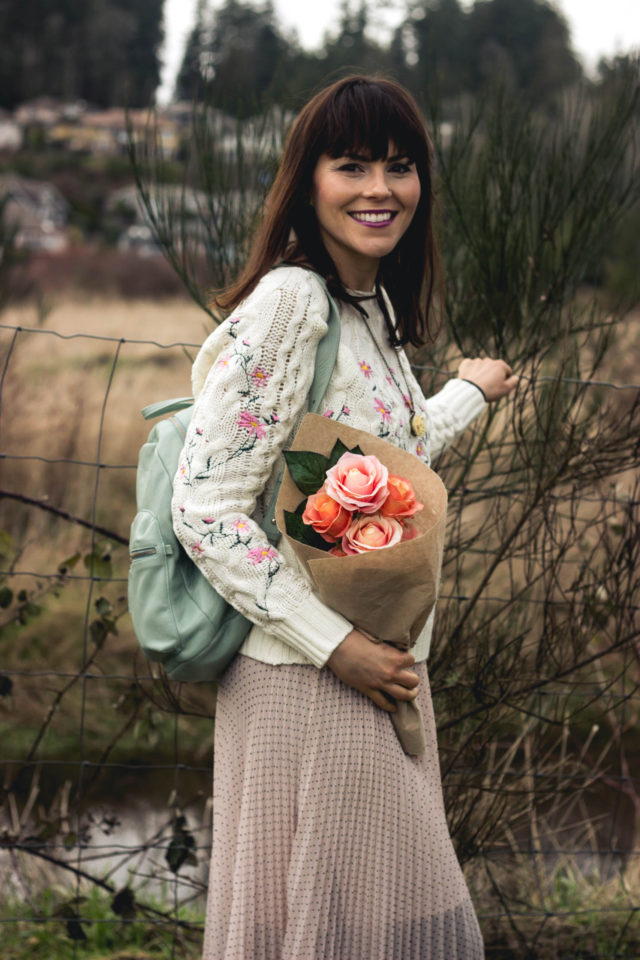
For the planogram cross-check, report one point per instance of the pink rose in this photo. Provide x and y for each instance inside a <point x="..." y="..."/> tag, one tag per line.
<point x="401" y="501"/>
<point x="371" y="533"/>
<point x="326" y="516"/>
<point x="358" y="482"/>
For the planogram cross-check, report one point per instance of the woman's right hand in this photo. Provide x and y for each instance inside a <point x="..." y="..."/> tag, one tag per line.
<point x="375" y="667"/>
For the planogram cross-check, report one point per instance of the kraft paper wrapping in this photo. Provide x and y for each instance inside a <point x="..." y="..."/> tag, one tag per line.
<point x="387" y="594"/>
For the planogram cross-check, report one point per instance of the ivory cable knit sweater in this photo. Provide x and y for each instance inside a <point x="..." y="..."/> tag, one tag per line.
<point x="251" y="380"/>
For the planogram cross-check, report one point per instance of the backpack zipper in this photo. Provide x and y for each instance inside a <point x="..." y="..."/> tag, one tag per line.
<point x="143" y="552"/>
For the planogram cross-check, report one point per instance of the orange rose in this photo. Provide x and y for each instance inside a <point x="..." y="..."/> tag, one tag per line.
<point x="401" y="501"/>
<point x="326" y="516"/>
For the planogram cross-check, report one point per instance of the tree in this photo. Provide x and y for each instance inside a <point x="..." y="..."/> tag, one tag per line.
<point x="524" y="43"/>
<point x="193" y="66"/>
<point x="104" y="51"/>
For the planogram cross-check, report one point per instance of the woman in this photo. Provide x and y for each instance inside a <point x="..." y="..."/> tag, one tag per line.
<point x="329" y="841"/>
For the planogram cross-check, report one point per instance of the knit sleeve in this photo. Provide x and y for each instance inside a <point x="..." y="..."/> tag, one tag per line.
<point x="450" y="411"/>
<point x="251" y="400"/>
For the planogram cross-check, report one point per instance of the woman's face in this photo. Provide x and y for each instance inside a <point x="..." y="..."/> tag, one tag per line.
<point x="363" y="208"/>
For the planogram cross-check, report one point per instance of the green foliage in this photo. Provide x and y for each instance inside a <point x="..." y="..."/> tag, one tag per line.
<point x="111" y="925"/>
<point x="106" y="52"/>
<point x="530" y="205"/>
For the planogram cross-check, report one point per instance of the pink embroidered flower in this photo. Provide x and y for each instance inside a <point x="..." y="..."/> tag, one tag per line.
<point x="224" y="361"/>
<point x="275" y="418"/>
<point x="249" y="421"/>
<point x="358" y="482"/>
<point x="384" y="411"/>
<point x="407" y="401"/>
<point x="371" y="533"/>
<point x="183" y="470"/>
<point x="208" y="520"/>
<point x="246" y="342"/>
<point x="240" y="524"/>
<point x="234" y="320"/>
<point x="328" y="413"/>
<point x="389" y="380"/>
<point x="258" y="554"/>
<point x="420" y="450"/>
<point x="181" y="509"/>
<point x="197" y="548"/>
<point x="259" y="377"/>
<point x="346" y="411"/>
<point x="366" y="369"/>
<point x="199" y="431"/>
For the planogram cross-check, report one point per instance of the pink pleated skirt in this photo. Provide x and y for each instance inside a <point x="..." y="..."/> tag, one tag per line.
<point x="329" y="842"/>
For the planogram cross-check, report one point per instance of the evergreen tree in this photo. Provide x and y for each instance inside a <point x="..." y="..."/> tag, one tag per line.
<point x="104" y="51"/>
<point x="193" y="67"/>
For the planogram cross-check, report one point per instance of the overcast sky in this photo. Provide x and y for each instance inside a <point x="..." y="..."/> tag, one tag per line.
<point x="598" y="27"/>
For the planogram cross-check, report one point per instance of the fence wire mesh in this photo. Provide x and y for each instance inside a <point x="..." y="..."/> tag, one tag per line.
<point x="106" y="812"/>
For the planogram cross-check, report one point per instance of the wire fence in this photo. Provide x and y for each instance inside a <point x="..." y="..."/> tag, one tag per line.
<point x="106" y="815"/>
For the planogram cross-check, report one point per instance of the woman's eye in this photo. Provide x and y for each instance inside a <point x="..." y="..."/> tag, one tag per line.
<point x="400" y="168"/>
<point x="350" y="167"/>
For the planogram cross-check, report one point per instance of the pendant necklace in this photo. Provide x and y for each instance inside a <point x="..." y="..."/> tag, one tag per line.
<point x="417" y="420"/>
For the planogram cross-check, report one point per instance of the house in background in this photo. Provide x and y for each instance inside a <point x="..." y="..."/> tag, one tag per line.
<point x="36" y="212"/>
<point x="10" y="133"/>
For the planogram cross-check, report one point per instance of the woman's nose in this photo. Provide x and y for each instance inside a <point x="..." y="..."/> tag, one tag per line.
<point x="377" y="184"/>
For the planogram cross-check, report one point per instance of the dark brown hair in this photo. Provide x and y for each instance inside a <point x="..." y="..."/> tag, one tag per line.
<point x="357" y="115"/>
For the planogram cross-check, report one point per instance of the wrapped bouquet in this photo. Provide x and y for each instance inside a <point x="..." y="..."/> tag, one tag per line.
<point x="367" y="521"/>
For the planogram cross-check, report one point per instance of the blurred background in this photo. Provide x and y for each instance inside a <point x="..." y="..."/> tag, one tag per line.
<point x="137" y="142"/>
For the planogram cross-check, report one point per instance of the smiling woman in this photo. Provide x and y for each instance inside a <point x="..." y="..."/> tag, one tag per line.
<point x="364" y="207"/>
<point x="329" y="841"/>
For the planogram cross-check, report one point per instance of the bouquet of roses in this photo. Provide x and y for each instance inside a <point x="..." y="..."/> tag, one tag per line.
<point x="347" y="494"/>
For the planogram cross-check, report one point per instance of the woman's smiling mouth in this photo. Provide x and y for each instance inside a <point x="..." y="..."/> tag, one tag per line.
<point x="373" y="218"/>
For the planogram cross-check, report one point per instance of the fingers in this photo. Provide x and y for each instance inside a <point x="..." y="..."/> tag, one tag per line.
<point x="380" y="700"/>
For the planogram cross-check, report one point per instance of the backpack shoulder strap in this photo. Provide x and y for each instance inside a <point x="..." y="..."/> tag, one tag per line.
<point x="326" y="354"/>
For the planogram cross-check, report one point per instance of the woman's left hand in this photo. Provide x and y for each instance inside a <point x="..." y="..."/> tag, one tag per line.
<point x="494" y="377"/>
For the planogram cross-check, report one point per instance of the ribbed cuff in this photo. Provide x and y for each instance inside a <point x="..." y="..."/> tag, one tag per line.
<point x="314" y="629"/>
<point x="465" y="398"/>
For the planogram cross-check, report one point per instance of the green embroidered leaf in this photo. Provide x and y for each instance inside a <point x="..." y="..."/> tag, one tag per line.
<point x="298" y="530"/>
<point x="308" y="470"/>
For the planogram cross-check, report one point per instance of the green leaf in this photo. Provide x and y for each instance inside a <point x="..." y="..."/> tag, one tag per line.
<point x="308" y="470"/>
<point x="338" y="451"/>
<point x="99" y="565"/>
<point x="180" y="850"/>
<point x="7" y="546"/>
<point x="98" y="632"/>
<point x="6" y="596"/>
<point x="70" y="840"/>
<point x="298" y="530"/>
<point x="124" y="904"/>
<point x="103" y="606"/>
<point x="69" y="563"/>
<point x="357" y="450"/>
<point x="75" y="930"/>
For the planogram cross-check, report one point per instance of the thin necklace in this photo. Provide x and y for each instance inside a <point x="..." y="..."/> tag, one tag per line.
<point x="417" y="422"/>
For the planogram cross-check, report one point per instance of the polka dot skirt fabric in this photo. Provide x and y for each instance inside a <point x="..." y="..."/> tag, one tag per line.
<point x="329" y="842"/>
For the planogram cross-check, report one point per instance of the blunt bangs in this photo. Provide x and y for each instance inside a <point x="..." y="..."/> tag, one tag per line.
<point x="363" y="118"/>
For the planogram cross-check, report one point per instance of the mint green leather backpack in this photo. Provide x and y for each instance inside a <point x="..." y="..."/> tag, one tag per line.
<point x="178" y="617"/>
